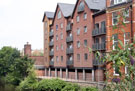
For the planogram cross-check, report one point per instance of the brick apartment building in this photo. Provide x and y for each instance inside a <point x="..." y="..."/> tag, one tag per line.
<point x="71" y="30"/>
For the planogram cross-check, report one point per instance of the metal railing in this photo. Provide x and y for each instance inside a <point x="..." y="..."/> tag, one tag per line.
<point x="69" y="39"/>
<point x="51" y="34"/>
<point x="51" y="53"/>
<point x="97" y="32"/>
<point x="99" y="46"/>
<point x="51" y="43"/>
<point x="51" y="62"/>
<point x="97" y="62"/>
<point x="69" y="62"/>
<point x="69" y="51"/>
<point x="69" y="27"/>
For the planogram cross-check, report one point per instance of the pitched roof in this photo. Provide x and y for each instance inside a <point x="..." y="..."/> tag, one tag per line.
<point x="96" y="4"/>
<point x="49" y="15"/>
<point x="67" y="9"/>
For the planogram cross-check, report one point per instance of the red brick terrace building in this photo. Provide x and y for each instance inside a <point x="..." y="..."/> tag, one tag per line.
<point x="76" y="28"/>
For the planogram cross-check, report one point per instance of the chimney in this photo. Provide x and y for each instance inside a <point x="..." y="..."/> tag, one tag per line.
<point x="27" y="49"/>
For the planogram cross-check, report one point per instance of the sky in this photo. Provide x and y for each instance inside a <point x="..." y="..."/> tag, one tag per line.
<point x="21" y="21"/>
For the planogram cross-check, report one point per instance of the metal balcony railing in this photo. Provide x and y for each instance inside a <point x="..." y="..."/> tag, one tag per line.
<point x="69" y="39"/>
<point x="51" y="53"/>
<point x="69" y="51"/>
<point x="97" y="32"/>
<point x="69" y="62"/>
<point x="51" y="43"/>
<point x="51" y="34"/>
<point x="69" y="27"/>
<point x="51" y="63"/>
<point x="97" y="62"/>
<point x="99" y="46"/>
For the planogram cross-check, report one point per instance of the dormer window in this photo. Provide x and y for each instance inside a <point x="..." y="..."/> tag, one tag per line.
<point x="81" y="7"/>
<point x="59" y="14"/>
<point x="118" y="1"/>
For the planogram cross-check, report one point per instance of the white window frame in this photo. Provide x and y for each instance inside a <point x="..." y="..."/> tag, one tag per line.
<point x="61" y="35"/>
<point x="78" y="44"/>
<point x="114" y="18"/>
<point x="78" y="31"/>
<point x="57" y="48"/>
<point x="85" y="29"/>
<point x="61" y="25"/>
<point x="114" y="43"/>
<point x="114" y="73"/>
<point x="61" y="46"/>
<point x="85" y="16"/>
<point x="59" y="14"/>
<point x="57" y="58"/>
<point x="118" y="1"/>
<point x="125" y="40"/>
<point x="126" y="15"/>
<point x="57" y="37"/>
<point x="77" y="19"/>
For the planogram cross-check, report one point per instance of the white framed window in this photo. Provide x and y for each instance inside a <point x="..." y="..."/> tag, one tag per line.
<point x="61" y="25"/>
<point x="57" y="48"/>
<point x="85" y="43"/>
<point x="115" y="70"/>
<point x="59" y="15"/>
<point x="78" y="31"/>
<point x="126" y="16"/>
<point x="115" y="41"/>
<point x="126" y="38"/>
<point x="78" y="44"/>
<point x="77" y="19"/>
<point x="118" y="1"/>
<point x="85" y="29"/>
<point x="126" y="70"/>
<point x="61" y="47"/>
<point x="85" y="16"/>
<point x="56" y="27"/>
<point x="114" y="18"/>
<point x="57" y="37"/>
<point x="61" y="35"/>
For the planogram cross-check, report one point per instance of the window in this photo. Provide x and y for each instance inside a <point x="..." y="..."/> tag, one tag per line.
<point x="103" y="26"/>
<point x="57" y="48"/>
<point x="116" y="69"/>
<point x="85" y="43"/>
<point x="61" y="58"/>
<point x="114" y="18"/>
<point x="126" y="70"/>
<point x="97" y="26"/>
<point x="70" y="34"/>
<point x="57" y="59"/>
<point x="52" y="59"/>
<point x="126" y="38"/>
<point x="78" y="44"/>
<point x="85" y="29"/>
<point x="61" y="47"/>
<point x="85" y="56"/>
<point x="118" y="1"/>
<point x="70" y="58"/>
<point x="61" y="25"/>
<point x="70" y="46"/>
<point x="115" y="41"/>
<point x="61" y="36"/>
<point x="57" y="37"/>
<point x="126" y="16"/>
<point x="56" y="27"/>
<point x="77" y="19"/>
<point x="59" y="14"/>
<point x="52" y="50"/>
<point x="103" y="39"/>
<point x="78" y="31"/>
<point x="81" y="7"/>
<point x="78" y="57"/>
<point x="85" y="16"/>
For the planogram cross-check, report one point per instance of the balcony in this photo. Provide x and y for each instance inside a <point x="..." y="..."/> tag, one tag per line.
<point x="97" y="32"/>
<point x="51" y="43"/>
<point x="99" y="46"/>
<point x="69" y="39"/>
<point x="51" y="63"/>
<point x="69" y="27"/>
<point x="69" y="62"/>
<point x="97" y="62"/>
<point x="51" y="53"/>
<point x="69" y="51"/>
<point x="51" y="34"/>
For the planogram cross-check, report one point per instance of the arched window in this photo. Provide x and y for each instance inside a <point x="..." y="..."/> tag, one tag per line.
<point x="81" y="7"/>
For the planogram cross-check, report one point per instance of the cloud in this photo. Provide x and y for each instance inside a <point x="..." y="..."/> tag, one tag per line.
<point x="5" y="3"/>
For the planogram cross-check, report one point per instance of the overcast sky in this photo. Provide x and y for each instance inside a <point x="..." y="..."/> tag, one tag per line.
<point x="21" y="21"/>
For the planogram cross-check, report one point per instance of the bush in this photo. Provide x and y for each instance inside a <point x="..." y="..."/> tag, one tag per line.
<point x="71" y="87"/>
<point x="51" y="85"/>
<point x="89" y="89"/>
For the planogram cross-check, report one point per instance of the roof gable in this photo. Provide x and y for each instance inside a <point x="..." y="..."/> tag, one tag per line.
<point x="49" y="15"/>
